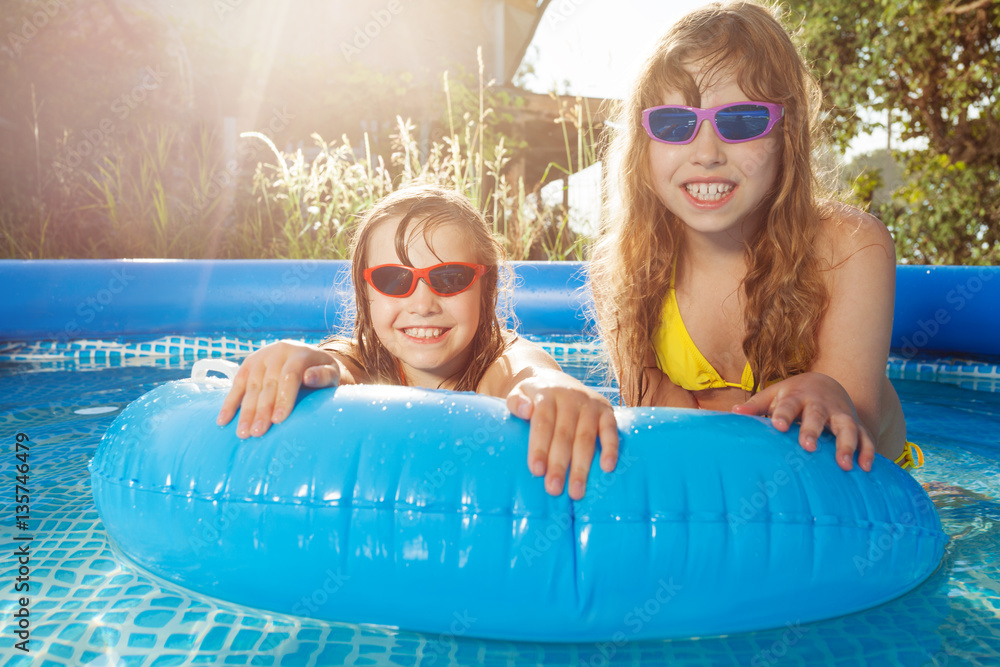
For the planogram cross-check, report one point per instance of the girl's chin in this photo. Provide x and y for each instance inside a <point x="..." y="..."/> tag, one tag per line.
<point x="428" y="374"/>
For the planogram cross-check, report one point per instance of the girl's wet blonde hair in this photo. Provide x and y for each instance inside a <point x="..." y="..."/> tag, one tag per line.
<point x="631" y="268"/>
<point x="421" y="209"/>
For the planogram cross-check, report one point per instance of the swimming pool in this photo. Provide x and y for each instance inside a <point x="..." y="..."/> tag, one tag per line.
<point x="90" y="606"/>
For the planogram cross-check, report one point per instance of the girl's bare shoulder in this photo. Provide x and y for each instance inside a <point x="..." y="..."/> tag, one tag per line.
<point x="845" y="232"/>
<point x="519" y="360"/>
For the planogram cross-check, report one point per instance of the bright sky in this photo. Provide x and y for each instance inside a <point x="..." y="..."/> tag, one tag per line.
<point x="594" y="48"/>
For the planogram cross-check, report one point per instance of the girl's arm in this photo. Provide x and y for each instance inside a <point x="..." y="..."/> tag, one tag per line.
<point x="847" y="390"/>
<point x="268" y="381"/>
<point x="566" y="416"/>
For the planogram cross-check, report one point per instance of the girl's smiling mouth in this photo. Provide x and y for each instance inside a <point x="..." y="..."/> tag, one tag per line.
<point x="426" y="334"/>
<point x="704" y="192"/>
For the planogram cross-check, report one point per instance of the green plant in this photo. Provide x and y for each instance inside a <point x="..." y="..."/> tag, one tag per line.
<point x="26" y="241"/>
<point x="945" y="212"/>
<point x="157" y="185"/>
<point x="142" y="205"/>
<point x="307" y="210"/>
<point x="932" y="71"/>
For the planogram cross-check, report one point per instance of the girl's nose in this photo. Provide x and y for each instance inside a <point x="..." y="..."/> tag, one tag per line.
<point x="708" y="147"/>
<point x="423" y="301"/>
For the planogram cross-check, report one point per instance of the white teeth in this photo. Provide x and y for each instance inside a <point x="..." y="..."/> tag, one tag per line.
<point x="708" y="191"/>
<point x="423" y="333"/>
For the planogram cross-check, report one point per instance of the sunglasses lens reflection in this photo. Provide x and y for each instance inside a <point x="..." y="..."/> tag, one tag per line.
<point x="672" y="125"/>
<point x="742" y="121"/>
<point x="392" y="280"/>
<point x="452" y="278"/>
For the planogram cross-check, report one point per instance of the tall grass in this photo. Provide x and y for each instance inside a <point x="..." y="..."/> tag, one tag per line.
<point x="307" y="208"/>
<point x="156" y="194"/>
<point x="135" y="197"/>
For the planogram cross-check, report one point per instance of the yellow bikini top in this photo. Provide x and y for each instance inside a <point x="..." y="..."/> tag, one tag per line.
<point x="678" y="356"/>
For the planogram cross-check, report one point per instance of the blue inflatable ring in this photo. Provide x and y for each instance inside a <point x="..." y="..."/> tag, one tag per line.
<point x="416" y="509"/>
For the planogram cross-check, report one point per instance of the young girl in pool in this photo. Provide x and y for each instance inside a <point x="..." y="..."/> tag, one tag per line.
<point x="720" y="280"/>
<point x="426" y="271"/>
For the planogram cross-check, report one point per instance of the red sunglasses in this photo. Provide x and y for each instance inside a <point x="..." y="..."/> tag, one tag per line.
<point x="446" y="279"/>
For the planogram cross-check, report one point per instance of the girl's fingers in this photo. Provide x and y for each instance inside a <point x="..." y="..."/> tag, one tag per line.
<point x="248" y="406"/>
<point x="845" y="429"/>
<point x="519" y="404"/>
<point x="786" y="410"/>
<point x="317" y="377"/>
<point x="584" y="444"/>
<point x="538" y="453"/>
<point x="561" y="449"/>
<point x="817" y="402"/>
<point x="759" y="404"/>
<point x="565" y="426"/>
<point x="814" y="418"/>
<point x="268" y="382"/>
<point x="782" y="408"/>
<point x="286" y="391"/>
<point x="232" y="400"/>
<point x="866" y="457"/>
<point x="608" y="429"/>
<point x="293" y="378"/>
<point x="266" y="398"/>
<point x="543" y="418"/>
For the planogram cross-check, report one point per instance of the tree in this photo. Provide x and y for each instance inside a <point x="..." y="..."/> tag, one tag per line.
<point x="933" y="67"/>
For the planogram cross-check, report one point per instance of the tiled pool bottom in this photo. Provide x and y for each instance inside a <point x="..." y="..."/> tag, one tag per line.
<point x="90" y="607"/>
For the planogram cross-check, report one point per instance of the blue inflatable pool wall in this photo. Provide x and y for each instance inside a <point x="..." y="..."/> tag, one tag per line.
<point x="949" y="308"/>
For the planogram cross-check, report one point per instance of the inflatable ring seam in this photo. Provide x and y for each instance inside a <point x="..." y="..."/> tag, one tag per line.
<point x="677" y="517"/>
<point x="273" y="500"/>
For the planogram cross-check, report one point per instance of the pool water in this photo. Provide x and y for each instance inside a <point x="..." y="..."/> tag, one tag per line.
<point x="89" y="606"/>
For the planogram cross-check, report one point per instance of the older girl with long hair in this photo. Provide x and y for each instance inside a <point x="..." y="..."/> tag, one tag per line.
<point x="427" y="274"/>
<point x="721" y="279"/>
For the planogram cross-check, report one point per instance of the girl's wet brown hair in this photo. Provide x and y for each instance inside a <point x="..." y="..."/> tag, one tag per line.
<point x="631" y="269"/>
<point x="421" y="209"/>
